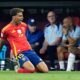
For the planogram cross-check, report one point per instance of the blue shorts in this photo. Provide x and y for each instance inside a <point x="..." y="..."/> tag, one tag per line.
<point x="29" y="55"/>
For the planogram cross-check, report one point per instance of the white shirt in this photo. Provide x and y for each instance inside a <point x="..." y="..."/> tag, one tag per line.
<point x="52" y="32"/>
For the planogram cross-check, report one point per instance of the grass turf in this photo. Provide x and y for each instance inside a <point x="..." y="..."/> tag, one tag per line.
<point x="53" y="75"/>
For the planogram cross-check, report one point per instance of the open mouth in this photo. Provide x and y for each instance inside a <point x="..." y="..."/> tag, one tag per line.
<point x="20" y="20"/>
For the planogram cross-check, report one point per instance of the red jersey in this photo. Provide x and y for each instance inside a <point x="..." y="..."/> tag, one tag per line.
<point x="16" y="37"/>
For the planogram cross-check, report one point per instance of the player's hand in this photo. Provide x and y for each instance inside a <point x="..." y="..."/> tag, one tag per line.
<point x="79" y="47"/>
<point x="69" y="45"/>
<point x="65" y="31"/>
<point x="42" y="51"/>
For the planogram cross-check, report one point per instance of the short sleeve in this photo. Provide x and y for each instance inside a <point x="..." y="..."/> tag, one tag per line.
<point x="77" y="33"/>
<point x="2" y="33"/>
<point x="45" y="32"/>
<point x="25" y="25"/>
<point x="60" y="31"/>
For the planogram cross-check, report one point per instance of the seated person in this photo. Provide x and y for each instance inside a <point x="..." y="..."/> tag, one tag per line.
<point x="52" y="34"/>
<point x="70" y="38"/>
<point x="34" y="35"/>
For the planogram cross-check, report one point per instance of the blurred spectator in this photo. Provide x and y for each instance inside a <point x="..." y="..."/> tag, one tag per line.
<point x="71" y="35"/>
<point x="34" y="35"/>
<point x="52" y="34"/>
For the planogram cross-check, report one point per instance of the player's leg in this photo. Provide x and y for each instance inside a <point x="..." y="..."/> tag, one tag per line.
<point x="25" y="63"/>
<point x="71" y="58"/>
<point x="60" y="53"/>
<point x="42" y="67"/>
<point x="29" y="66"/>
<point x="37" y="61"/>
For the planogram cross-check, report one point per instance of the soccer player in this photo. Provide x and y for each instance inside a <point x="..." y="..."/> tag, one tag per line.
<point x="14" y="32"/>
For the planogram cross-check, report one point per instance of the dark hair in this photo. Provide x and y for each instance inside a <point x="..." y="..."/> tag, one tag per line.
<point x="14" y="11"/>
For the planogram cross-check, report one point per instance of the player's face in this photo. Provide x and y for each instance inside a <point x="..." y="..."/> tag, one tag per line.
<point x="32" y="28"/>
<point x="51" y="17"/>
<point x="67" y="22"/>
<point x="19" y="17"/>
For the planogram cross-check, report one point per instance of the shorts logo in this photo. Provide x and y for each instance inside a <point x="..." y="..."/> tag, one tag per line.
<point x="20" y="33"/>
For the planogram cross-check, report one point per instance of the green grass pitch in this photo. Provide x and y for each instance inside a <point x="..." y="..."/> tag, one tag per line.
<point x="52" y="75"/>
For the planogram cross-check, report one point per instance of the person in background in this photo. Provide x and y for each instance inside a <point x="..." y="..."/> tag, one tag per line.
<point x="52" y="35"/>
<point x="34" y="35"/>
<point x="70" y="39"/>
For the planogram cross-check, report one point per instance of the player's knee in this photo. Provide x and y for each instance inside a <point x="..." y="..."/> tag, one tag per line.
<point x="42" y="67"/>
<point x="45" y="70"/>
<point x="29" y="66"/>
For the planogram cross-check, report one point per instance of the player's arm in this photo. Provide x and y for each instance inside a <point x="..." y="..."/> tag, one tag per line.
<point x="71" y="40"/>
<point x="25" y="25"/>
<point x="45" y="44"/>
<point x="1" y="42"/>
<point x="76" y="36"/>
<point x="44" y="47"/>
<point x="2" y="39"/>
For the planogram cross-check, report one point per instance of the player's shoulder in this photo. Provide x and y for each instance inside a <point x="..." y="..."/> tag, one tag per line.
<point x="24" y="24"/>
<point x="5" y="27"/>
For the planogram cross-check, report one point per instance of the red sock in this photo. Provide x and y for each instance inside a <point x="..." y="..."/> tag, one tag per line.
<point x="21" y="70"/>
